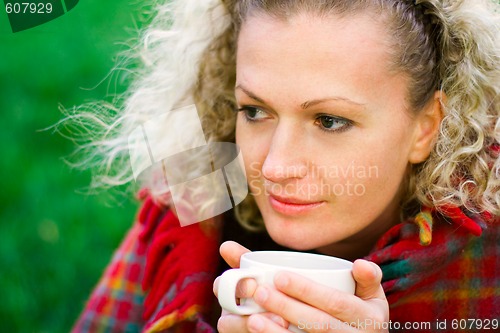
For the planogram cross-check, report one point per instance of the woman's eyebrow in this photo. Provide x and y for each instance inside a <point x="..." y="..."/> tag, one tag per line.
<point x="304" y="105"/>
<point x="250" y="94"/>
<point x="307" y="104"/>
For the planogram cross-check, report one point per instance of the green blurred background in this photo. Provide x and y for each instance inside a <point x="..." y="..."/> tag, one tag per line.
<point x="54" y="240"/>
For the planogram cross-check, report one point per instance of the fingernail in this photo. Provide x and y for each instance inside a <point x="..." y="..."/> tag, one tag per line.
<point x="255" y="323"/>
<point x="261" y="294"/>
<point x="281" y="280"/>
<point x="278" y="320"/>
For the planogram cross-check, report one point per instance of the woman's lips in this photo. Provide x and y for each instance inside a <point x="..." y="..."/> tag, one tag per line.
<point x="292" y="206"/>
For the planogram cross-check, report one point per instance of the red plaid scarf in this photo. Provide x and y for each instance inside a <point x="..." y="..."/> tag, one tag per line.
<point x="160" y="279"/>
<point x="450" y="283"/>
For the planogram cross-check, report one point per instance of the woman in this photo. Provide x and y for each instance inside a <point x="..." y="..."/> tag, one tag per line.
<point x="369" y="130"/>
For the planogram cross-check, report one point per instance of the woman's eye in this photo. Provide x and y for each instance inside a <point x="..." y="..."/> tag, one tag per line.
<point x="332" y="124"/>
<point x="253" y="113"/>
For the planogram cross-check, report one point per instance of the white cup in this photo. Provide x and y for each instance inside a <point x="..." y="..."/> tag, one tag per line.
<point x="263" y="266"/>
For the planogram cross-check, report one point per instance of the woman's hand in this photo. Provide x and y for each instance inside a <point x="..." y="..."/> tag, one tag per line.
<point x="308" y="305"/>
<point x="317" y="308"/>
<point x="228" y="322"/>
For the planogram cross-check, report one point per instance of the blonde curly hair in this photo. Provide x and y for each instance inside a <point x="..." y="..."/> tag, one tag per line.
<point x="450" y="46"/>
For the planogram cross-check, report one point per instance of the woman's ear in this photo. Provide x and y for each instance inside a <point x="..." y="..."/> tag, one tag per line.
<point x="427" y="128"/>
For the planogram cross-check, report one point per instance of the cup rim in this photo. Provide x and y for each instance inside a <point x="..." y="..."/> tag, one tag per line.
<point x="345" y="265"/>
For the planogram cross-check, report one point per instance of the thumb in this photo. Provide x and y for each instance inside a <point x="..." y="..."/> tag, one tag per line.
<point x="231" y="252"/>
<point x="368" y="277"/>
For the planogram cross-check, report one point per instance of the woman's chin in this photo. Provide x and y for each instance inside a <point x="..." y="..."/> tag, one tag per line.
<point x="294" y="238"/>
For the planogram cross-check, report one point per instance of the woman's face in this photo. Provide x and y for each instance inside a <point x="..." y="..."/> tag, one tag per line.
<point x="324" y="129"/>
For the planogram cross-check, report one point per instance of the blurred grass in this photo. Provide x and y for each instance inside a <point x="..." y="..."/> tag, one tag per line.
<point x="54" y="241"/>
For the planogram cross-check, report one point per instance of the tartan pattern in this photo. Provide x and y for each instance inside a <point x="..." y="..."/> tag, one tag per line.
<point x="435" y="267"/>
<point x="159" y="280"/>
<point x="116" y="303"/>
<point x="454" y="277"/>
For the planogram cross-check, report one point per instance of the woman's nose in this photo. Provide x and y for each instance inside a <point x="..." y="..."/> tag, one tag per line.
<point x="286" y="158"/>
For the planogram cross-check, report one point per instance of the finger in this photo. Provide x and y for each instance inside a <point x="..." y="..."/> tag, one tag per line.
<point x="324" y="302"/>
<point x="301" y="315"/>
<point x="231" y="252"/>
<point x="265" y="322"/>
<point x="232" y="323"/>
<point x="368" y="277"/>
<point x="244" y="289"/>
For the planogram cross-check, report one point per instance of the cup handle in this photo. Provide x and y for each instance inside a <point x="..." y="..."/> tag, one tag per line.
<point x="227" y="291"/>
